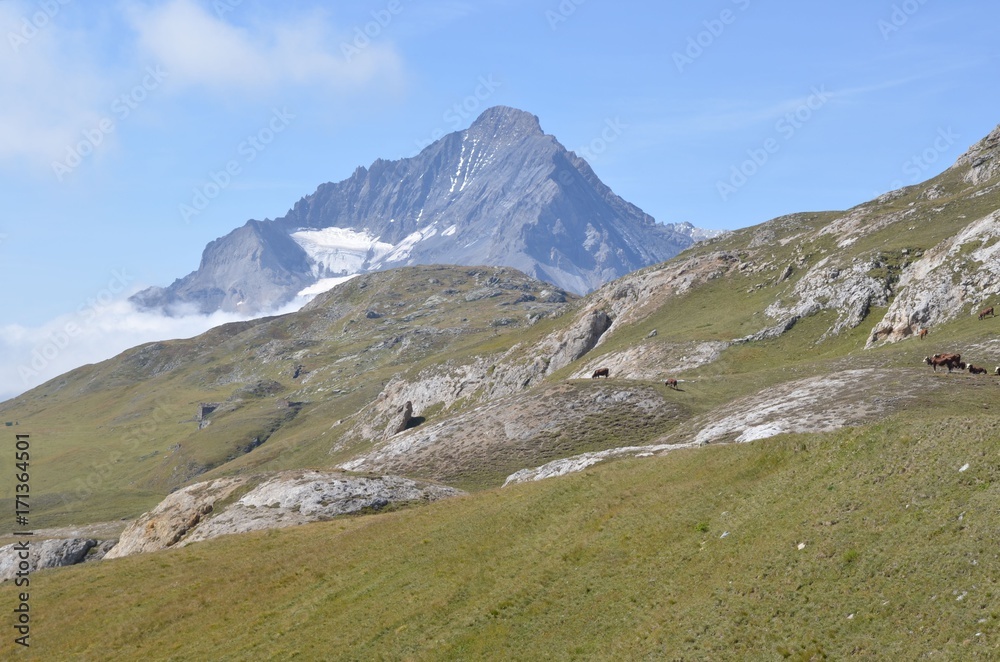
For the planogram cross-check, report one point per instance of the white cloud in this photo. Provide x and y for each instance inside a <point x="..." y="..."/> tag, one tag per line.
<point x="51" y="92"/>
<point x="201" y="49"/>
<point x="30" y="356"/>
<point x="62" y="72"/>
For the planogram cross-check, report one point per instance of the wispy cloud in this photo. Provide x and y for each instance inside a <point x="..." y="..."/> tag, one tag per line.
<point x="733" y="115"/>
<point x="203" y="50"/>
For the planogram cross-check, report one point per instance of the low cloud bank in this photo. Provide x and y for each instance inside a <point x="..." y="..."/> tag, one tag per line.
<point x="30" y="356"/>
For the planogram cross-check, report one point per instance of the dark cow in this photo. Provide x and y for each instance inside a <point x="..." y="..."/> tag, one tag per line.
<point x="976" y="370"/>
<point x="986" y="312"/>
<point x="672" y="383"/>
<point x="601" y="372"/>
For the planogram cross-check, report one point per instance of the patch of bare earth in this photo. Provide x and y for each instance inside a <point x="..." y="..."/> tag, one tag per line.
<point x="489" y="442"/>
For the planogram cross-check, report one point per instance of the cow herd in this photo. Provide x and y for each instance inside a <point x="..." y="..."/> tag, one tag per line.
<point x="948" y="361"/>
<point x="955" y="362"/>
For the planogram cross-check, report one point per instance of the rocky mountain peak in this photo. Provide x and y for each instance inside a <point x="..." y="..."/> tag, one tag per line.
<point x="500" y="193"/>
<point x="505" y="124"/>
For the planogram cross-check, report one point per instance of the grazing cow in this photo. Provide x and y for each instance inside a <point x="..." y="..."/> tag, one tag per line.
<point x="672" y="383"/>
<point x="986" y="311"/>
<point x="957" y="357"/>
<point x="922" y="333"/>
<point x="976" y="370"/>
<point x="601" y="372"/>
<point x="997" y="370"/>
<point x="950" y="361"/>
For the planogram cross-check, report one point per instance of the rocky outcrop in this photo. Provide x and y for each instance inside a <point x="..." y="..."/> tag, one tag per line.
<point x="982" y="159"/>
<point x="520" y="429"/>
<point x="401" y="421"/>
<point x="954" y="278"/>
<point x="174" y="517"/>
<point x="484" y="378"/>
<point x="850" y="289"/>
<point x="293" y="498"/>
<point x="814" y="404"/>
<point x="210" y="509"/>
<point x="652" y="361"/>
<point x="580" y="462"/>
<point x="52" y="553"/>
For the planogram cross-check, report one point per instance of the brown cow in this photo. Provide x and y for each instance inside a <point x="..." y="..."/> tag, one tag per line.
<point x="976" y="370"/>
<point x="957" y="357"/>
<point x="950" y="361"/>
<point x="601" y="372"/>
<point x="986" y="311"/>
<point x="672" y="383"/>
<point x="922" y="333"/>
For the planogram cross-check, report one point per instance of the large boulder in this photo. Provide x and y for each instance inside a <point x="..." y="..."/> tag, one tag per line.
<point x="52" y="553"/>
<point x="174" y="517"/>
<point x="270" y="501"/>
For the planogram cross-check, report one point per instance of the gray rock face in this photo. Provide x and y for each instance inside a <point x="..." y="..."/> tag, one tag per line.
<point x="982" y="159"/>
<point x="500" y="193"/>
<point x="401" y="421"/>
<point x="43" y="554"/>
<point x="956" y="277"/>
<point x="241" y="272"/>
<point x="209" y="509"/>
<point x="293" y="498"/>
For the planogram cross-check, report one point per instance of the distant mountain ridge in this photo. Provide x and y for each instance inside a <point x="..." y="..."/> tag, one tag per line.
<point x="500" y="193"/>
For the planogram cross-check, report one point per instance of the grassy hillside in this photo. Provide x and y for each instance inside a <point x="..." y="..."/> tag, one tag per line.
<point x="111" y="439"/>
<point x="877" y="540"/>
<point x="873" y="542"/>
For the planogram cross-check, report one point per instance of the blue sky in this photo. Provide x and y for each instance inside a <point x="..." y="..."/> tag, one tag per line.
<point x="116" y="116"/>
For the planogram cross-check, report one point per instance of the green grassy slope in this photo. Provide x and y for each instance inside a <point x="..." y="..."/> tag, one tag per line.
<point x="691" y="556"/>
<point x="111" y="439"/>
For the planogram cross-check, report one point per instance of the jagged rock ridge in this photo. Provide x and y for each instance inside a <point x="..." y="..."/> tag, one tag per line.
<point x="499" y="193"/>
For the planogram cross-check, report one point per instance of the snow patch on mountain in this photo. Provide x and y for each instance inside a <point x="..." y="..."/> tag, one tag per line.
<point x="340" y="251"/>
<point x="401" y="251"/>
